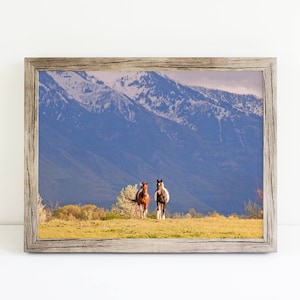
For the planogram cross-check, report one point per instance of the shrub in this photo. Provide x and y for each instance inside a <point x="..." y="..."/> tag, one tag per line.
<point x="99" y="214"/>
<point x="215" y="214"/>
<point x="76" y="212"/>
<point x="176" y="215"/>
<point x="42" y="215"/>
<point x="86" y="212"/>
<point x="188" y="216"/>
<point x="67" y="212"/>
<point x="125" y="204"/>
<point x="234" y="216"/>
<point x="193" y="213"/>
<point x="253" y="210"/>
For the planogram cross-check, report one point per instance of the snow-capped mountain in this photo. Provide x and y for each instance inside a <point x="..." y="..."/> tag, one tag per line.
<point x="184" y="104"/>
<point x="92" y="94"/>
<point x="97" y="138"/>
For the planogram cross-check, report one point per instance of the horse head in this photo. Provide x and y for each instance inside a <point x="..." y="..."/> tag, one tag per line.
<point x="159" y="185"/>
<point x="144" y="185"/>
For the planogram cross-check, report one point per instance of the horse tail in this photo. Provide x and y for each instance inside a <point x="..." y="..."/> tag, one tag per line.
<point x="135" y="200"/>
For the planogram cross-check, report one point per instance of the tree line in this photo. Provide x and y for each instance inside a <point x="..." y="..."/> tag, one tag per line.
<point x="125" y="208"/>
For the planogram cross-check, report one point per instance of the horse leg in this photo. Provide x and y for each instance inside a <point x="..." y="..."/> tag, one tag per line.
<point x="158" y="211"/>
<point x="164" y="211"/>
<point x="144" y="211"/>
<point x="140" y="210"/>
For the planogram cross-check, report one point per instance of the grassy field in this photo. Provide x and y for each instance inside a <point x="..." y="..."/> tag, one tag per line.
<point x="206" y="227"/>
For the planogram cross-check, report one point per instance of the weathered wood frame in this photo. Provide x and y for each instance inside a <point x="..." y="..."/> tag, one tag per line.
<point x="269" y="241"/>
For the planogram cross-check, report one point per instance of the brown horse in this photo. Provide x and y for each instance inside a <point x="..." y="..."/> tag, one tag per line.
<point x="142" y="199"/>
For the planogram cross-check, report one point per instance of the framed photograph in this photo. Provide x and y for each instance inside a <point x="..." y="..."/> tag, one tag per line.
<point x="150" y="155"/>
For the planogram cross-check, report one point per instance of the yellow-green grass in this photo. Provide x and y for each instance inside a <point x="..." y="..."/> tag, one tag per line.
<point x="206" y="227"/>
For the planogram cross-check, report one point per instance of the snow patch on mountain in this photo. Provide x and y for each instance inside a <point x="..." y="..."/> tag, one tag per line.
<point x="248" y="104"/>
<point x="93" y="94"/>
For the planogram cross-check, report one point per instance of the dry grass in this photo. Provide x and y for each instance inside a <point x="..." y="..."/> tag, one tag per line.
<point x="207" y="227"/>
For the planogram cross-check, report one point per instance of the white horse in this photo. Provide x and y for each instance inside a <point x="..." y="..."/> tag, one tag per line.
<point x="162" y="197"/>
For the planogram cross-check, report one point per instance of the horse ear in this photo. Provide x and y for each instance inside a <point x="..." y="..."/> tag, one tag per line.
<point x="157" y="180"/>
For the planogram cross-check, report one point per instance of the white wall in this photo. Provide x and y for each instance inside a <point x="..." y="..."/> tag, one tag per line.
<point x="148" y="28"/>
<point x="151" y="28"/>
<point x="128" y="28"/>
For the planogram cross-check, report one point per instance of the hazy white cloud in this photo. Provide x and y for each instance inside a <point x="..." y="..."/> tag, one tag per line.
<point x="108" y="77"/>
<point x="241" y="82"/>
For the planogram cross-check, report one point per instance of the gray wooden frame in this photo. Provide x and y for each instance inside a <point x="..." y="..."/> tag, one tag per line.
<point x="32" y="244"/>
